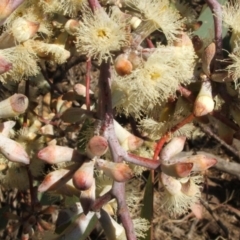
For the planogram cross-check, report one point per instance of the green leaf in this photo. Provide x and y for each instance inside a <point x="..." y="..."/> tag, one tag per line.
<point x="47" y="198"/>
<point x="147" y="210"/>
<point x="207" y="27"/>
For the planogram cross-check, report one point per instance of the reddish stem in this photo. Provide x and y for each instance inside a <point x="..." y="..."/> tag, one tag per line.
<point x="166" y="136"/>
<point x="150" y="43"/>
<point x="94" y="4"/>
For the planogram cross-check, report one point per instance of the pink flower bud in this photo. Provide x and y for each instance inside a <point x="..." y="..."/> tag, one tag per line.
<point x="80" y="90"/>
<point x="174" y="147"/>
<point x="6" y="127"/>
<point x="13" y="151"/>
<point x="7" y="7"/>
<point x="201" y="162"/>
<point x="5" y="66"/>
<point x="13" y="106"/>
<point x="132" y="143"/>
<point x="120" y="172"/>
<point x="56" y="154"/>
<point x="71" y="26"/>
<point x="178" y="170"/>
<point x="54" y="180"/>
<point x="197" y="210"/>
<point x="172" y="185"/>
<point x="97" y="146"/>
<point x="127" y="140"/>
<point x="176" y="199"/>
<point x="83" y="177"/>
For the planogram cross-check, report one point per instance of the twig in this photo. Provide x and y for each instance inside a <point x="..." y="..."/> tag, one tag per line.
<point x="215" y="217"/>
<point x="228" y="167"/>
<point x="207" y="130"/>
<point x="192" y="229"/>
<point x="217" y="17"/>
<point x="99" y="202"/>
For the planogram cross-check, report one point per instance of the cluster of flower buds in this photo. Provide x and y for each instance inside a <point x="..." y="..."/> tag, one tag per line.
<point x="12" y="107"/>
<point x="81" y="169"/>
<point x="181" y="187"/>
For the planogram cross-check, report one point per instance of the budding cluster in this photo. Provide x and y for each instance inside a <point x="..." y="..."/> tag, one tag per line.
<point x="181" y="189"/>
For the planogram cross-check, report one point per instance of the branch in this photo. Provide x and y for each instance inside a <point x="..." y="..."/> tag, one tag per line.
<point x="208" y="131"/>
<point x="106" y="115"/>
<point x="217" y="17"/>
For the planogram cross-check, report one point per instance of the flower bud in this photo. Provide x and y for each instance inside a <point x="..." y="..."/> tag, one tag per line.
<point x="120" y="172"/>
<point x="174" y="147"/>
<point x="13" y="151"/>
<point x="80" y="90"/>
<point x="201" y="162"/>
<point x="7" y="7"/>
<point x="97" y="146"/>
<point x="189" y="186"/>
<point x="207" y="57"/>
<point x="83" y="177"/>
<point x="172" y="185"/>
<point x="176" y="199"/>
<point x="5" y="66"/>
<point x="135" y="59"/>
<point x="111" y="228"/>
<point x="6" y="127"/>
<point x="204" y="103"/>
<point x="13" y="106"/>
<point x="197" y="210"/>
<point x="54" y="180"/>
<point x="178" y="170"/>
<point x="71" y="26"/>
<point x="53" y="154"/>
<point x="23" y="29"/>
<point x="122" y="65"/>
<point x="127" y="140"/>
<point x="135" y="22"/>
